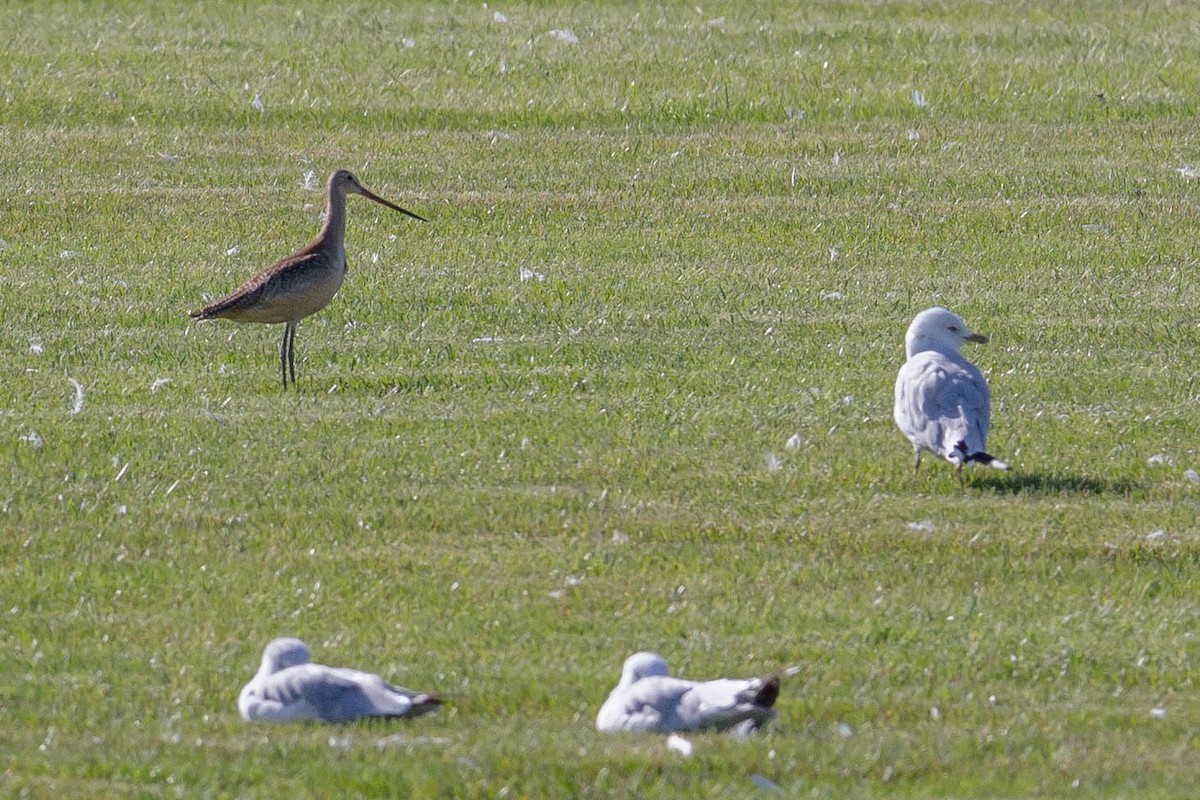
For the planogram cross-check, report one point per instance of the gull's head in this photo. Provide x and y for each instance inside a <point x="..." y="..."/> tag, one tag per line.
<point x="642" y="665"/>
<point x="282" y="653"/>
<point x="939" y="329"/>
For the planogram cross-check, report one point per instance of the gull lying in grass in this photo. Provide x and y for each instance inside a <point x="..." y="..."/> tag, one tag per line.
<point x="649" y="699"/>
<point x="289" y="688"/>
<point x="942" y="400"/>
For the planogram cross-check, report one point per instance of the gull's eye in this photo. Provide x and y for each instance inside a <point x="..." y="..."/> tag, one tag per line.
<point x="954" y="329"/>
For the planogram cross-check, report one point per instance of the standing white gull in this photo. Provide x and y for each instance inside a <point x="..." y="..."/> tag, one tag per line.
<point x="289" y="688"/>
<point x="649" y="699"/>
<point x="942" y="400"/>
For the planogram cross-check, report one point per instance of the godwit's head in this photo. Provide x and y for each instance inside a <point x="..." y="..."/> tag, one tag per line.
<point x="344" y="182"/>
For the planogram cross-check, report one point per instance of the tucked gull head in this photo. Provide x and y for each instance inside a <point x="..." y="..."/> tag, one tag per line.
<point x="288" y="688"/>
<point x="642" y="665"/>
<point x="942" y="402"/>
<point x="282" y="653"/>
<point x="648" y="699"/>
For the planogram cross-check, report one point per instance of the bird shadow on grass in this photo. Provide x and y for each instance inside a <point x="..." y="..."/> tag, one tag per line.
<point x="1038" y="483"/>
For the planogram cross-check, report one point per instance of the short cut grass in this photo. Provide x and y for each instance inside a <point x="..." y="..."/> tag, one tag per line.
<point x="629" y="389"/>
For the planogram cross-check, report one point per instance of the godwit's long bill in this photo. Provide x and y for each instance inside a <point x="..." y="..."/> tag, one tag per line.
<point x="303" y="283"/>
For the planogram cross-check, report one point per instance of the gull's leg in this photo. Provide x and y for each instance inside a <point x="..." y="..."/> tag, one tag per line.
<point x="916" y="460"/>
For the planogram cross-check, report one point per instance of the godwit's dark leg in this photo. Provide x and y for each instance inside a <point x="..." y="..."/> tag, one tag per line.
<point x="285" y="348"/>
<point x="292" y="353"/>
<point x="283" y="354"/>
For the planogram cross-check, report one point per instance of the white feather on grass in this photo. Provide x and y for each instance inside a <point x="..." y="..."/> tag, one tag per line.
<point x="77" y="400"/>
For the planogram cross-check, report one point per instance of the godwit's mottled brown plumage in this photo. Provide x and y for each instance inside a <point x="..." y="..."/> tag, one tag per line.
<point x="304" y="282"/>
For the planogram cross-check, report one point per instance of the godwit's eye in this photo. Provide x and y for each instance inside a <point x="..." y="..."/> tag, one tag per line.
<point x="954" y="328"/>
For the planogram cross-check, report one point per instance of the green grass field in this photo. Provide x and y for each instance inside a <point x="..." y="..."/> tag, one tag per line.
<point x="497" y="488"/>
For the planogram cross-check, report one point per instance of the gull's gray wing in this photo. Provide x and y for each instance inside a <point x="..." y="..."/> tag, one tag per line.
<point x="722" y="704"/>
<point x="942" y="402"/>
<point x="650" y="704"/>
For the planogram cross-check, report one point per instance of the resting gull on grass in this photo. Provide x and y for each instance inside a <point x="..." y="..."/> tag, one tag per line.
<point x="942" y="400"/>
<point x="289" y="688"/>
<point x="649" y="699"/>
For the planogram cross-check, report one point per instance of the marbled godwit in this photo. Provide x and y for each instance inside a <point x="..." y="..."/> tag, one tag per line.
<point x="304" y="282"/>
